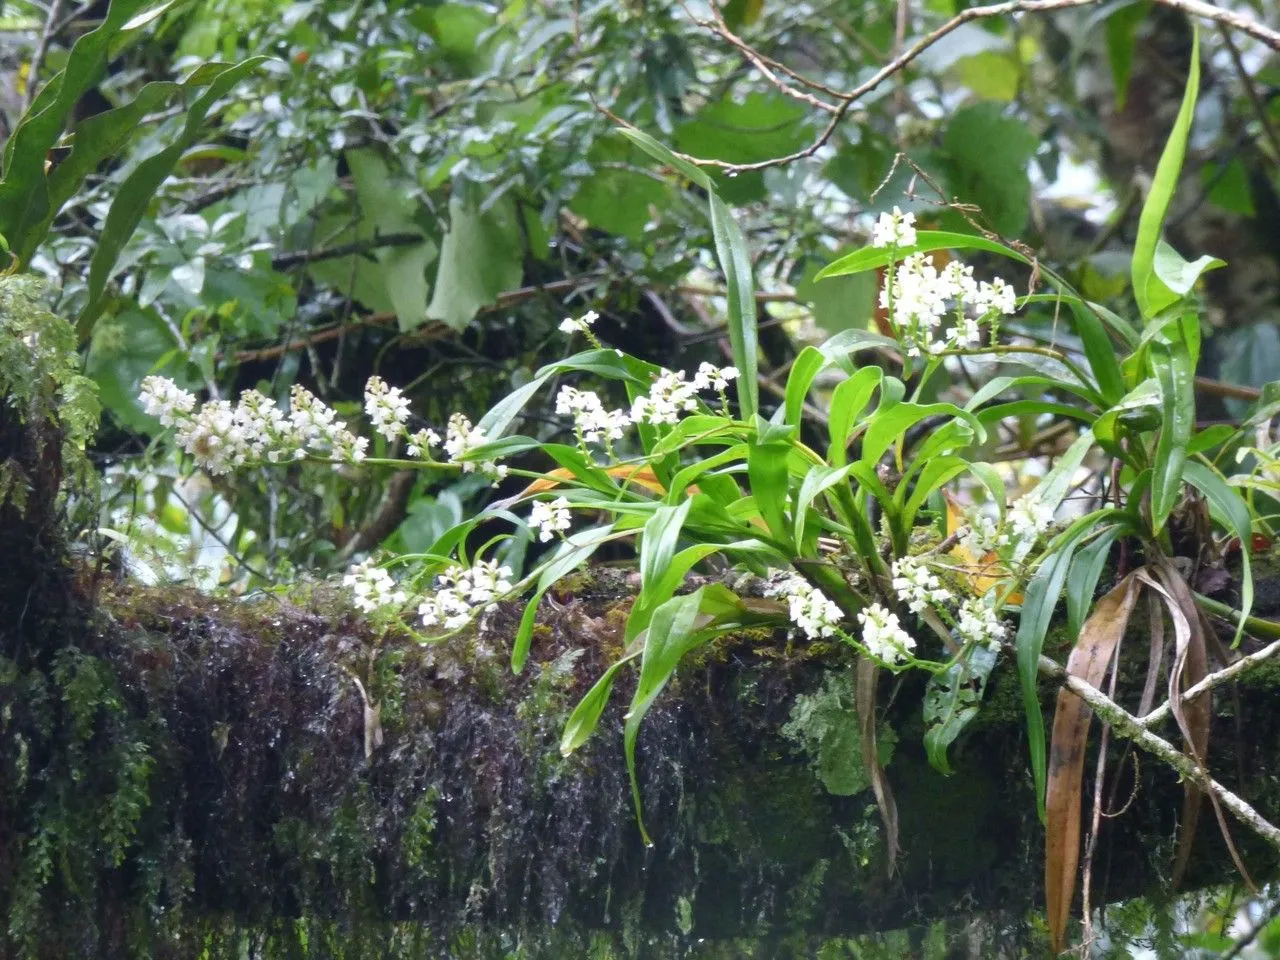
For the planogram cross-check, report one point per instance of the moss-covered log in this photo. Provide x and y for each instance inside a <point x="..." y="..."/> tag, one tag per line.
<point x="187" y="767"/>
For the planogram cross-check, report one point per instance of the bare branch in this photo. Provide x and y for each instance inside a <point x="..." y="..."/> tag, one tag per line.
<point x="42" y="48"/>
<point x="1126" y="725"/>
<point x="771" y="68"/>
<point x="284" y="261"/>
<point x="1213" y="681"/>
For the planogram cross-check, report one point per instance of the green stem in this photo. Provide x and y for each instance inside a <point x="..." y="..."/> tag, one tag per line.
<point x="1265" y="628"/>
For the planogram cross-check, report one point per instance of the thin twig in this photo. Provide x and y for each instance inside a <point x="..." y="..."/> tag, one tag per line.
<point x="1213" y="681"/>
<point x="765" y="65"/>
<point x="770" y="68"/>
<point x="284" y="261"/>
<point x="42" y="48"/>
<point x="1254" y="932"/>
<point x="1251" y="91"/>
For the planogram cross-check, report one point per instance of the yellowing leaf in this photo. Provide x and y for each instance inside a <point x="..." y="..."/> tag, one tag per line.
<point x="979" y="574"/>
<point x="641" y="475"/>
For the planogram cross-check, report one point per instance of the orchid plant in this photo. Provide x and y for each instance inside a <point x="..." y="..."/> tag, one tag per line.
<point x="864" y="539"/>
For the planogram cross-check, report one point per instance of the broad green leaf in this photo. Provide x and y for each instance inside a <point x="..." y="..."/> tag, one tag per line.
<point x="1228" y="186"/>
<point x="871" y="258"/>
<point x="1022" y="408"/>
<point x="657" y="546"/>
<point x="1082" y="580"/>
<point x="1145" y="395"/>
<point x="584" y="469"/>
<point x="24" y="192"/>
<point x="986" y="155"/>
<point x="101" y="136"/>
<point x="744" y="129"/>
<point x="480" y="257"/>
<point x="1174" y="369"/>
<point x="952" y="435"/>
<point x="1055" y="484"/>
<point x="497" y="449"/>
<point x="1151" y="293"/>
<point x="885" y="426"/>
<point x="731" y="250"/>
<point x="672" y="577"/>
<point x="618" y="200"/>
<point x="1180" y="275"/>
<point x="1100" y="352"/>
<point x="804" y="369"/>
<point x="1232" y="509"/>
<point x="1038" y="605"/>
<point x="1121" y="29"/>
<point x="671" y="634"/>
<point x="998" y="385"/>
<point x="603" y="362"/>
<point x="1210" y="437"/>
<point x="133" y="195"/>
<point x="815" y="482"/>
<point x="386" y="203"/>
<point x="698" y="428"/>
<point x="768" y="474"/>
<point x="848" y="400"/>
<point x="585" y="718"/>
<point x="136" y="346"/>
<point x="838" y="348"/>
<point x="571" y="554"/>
<point x="691" y="474"/>
<point x="936" y="473"/>
<point x="663" y="155"/>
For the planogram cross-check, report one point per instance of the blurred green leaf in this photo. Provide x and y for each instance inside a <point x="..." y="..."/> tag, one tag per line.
<point x="131" y="198"/>
<point x="1228" y="186"/>
<point x="986" y="157"/>
<point x="387" y="206"/>
<point x="1122" y="29"/>
<point x="951" y="701"/>
<point x="479" y="259"/>
<point x="618" y="201"/>
<point x="759" y="127"/>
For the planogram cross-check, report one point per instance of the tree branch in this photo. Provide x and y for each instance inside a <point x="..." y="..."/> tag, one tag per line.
<point x="1212" y="682"/>
<point x="284" y="261"/>
<point x="42" y="48"/>
<point x="770" y="68"/>
<point x="1131" y="728"/>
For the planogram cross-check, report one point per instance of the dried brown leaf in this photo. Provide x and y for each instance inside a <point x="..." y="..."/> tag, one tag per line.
<point x="1090" y="659"/>
<point x="1190" y="666"/>
<point x="865" y="704"/>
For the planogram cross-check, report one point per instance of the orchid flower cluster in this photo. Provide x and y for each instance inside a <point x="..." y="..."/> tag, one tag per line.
<point x="883" y="635"/>
<point x="460" y="593"/>
<point x="220" y="437"/>
<point x="1026" y="520"/>
<point x="935" y="310"/>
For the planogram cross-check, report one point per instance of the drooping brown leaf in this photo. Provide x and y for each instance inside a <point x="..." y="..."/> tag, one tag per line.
<point x="1190" y="666"/>
<point x="1155" y="654"/>
<point x="1090" y="659"/>
<point x="865" y="703"/>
